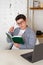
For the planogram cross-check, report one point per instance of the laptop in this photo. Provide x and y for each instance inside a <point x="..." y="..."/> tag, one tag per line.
<point x="36" y="55"/>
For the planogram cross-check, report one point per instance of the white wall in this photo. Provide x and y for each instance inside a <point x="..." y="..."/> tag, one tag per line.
<point x="30" y="13"/>
<point x="37" y="21"/>
<point x="7" y="16"/>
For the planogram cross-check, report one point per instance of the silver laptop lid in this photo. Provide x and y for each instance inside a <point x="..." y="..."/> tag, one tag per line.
<point x="37" y="53"/>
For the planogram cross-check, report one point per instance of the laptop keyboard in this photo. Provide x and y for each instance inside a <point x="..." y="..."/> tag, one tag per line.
<point x="27" y="56"/>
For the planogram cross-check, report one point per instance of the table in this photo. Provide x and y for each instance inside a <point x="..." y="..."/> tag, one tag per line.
<point x="12" y="57"/>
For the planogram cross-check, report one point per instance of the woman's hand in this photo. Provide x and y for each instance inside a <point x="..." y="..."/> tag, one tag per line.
<point x="11" y="29"/>
<point x="17" y="45"/>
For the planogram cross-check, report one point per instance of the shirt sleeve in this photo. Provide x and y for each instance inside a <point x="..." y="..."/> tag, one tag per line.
<point x="30" y="40"/>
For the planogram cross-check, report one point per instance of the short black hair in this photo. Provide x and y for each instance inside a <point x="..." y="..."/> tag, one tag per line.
<point x="20" y="16"/>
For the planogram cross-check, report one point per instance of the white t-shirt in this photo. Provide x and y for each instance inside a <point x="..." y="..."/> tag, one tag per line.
<point x="19" y="34"/>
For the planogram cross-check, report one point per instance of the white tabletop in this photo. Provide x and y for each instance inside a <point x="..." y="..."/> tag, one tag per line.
<point x="12" y="57"/>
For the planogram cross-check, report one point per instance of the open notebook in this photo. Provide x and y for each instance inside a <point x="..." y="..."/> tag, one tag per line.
<point x="16" y="39"/>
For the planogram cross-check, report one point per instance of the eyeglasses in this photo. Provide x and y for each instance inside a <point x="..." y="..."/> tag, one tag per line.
<point x="20" y="23"/>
